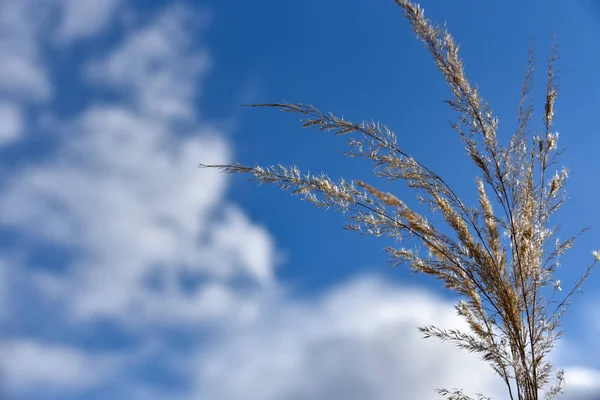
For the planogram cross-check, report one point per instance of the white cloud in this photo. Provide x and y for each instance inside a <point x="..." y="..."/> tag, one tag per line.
<point x="22" y="75"/>
<point x="135" y="201"/>
<point x="582" y="383"/>
<point x="31" y="366"/>
<point x="125" y="190"/>
<point x="360" y="341"/>
<point x="157" y="64"/>
<point x="582" y="378"/>
<point x="4" y="291"/>
<point x="11" y="123"/>
<point x="242" y="244"/>
<point x="575" y="353"/>
<point x="85" y="18"/>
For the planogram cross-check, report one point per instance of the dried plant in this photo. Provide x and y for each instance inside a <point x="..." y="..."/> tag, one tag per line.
<point x="501" y="263"/>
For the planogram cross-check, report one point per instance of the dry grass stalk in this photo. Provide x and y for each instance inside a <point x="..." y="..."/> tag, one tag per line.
<point x="501" y="263"/>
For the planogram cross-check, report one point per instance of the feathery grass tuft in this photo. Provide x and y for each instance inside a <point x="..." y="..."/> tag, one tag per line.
<point x="501" y="262"/>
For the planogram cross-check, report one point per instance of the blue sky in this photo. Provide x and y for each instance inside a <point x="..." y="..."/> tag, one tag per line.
<point x="127" y="272"/>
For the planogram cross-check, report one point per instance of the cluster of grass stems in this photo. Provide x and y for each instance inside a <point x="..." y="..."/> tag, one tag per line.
<point x="501" y="262"/>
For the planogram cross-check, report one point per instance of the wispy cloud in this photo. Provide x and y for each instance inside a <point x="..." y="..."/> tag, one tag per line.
<point x="11" y="122"/>
<point x="84" y="18"/>
<point x="22" y="74"/>
<point x="159" y="65"/>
